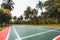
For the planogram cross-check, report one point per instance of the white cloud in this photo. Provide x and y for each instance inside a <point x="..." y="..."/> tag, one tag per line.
<point x="0" y="2"/>
<point x="21" y="5"/>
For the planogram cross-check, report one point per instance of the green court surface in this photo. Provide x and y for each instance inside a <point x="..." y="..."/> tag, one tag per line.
<point x="32" y="33"/>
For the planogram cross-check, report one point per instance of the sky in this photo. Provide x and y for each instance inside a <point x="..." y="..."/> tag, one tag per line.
<point x="21" y="5"/>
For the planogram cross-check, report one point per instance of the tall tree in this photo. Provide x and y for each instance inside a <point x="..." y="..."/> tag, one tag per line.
<point x="8" y="4"/>
<point x="14" y="18"/>
<point x="4" y="16"/>
<point x="34" y="12"/>
<point x="27" y="12"/>
<point x="53" y="8"/>
<point x="33" y="15"/>
<point x="20" y="18"/>
<point x="40" y="5"/>
<point x="5" y="10"/>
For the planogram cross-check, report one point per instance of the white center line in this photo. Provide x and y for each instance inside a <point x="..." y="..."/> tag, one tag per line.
<point x="8" y="34"/>
<point x="16" y="34"/>
<point x="38" y="34"/>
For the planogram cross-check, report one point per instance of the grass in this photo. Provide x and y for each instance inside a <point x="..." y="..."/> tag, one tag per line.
<point x="51" y="25"/>
<point x="42" y="25"/>
<point x="1" y="28"/>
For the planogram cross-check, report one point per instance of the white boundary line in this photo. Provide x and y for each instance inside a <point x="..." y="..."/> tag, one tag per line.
<point x="8" y="34"/>
<point x="56" y="37"/>
<point x="38" y="34"/>
<point x="16" y="34"/>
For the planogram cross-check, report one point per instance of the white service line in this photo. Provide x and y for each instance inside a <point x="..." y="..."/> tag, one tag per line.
<point x="16" y="34"/>
<point x="8" y="34"/>
<point x="38" y="34"/>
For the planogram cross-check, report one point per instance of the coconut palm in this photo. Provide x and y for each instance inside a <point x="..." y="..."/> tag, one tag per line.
<point x="40" y="5"/>
<point x="7" y="4"/>
<point x="52" y="7"/>
<point x="27" y="12"/>
<point x="14" y="18"/>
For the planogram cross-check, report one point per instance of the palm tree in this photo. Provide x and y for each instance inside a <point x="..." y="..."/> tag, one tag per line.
<point x="4" y="16"/>
<point x="14" y="18"/>
<point x="7" y="4"/>
<point x="52" y="7"/>
<point x="27" y="12"/>
<point x="34" y="12"/>
<point x="40" y="5"/>
<point x="20" y="18"/>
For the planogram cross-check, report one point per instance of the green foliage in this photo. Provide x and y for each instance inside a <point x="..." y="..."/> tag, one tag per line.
<point x="40" y="5"/>
<point x="20" y="18"/>
<point x="5" y="10"/>
<point x="53" y="7"/>
<point x="14" y="18"/>
<point x="27" y="12"/>
<point x="4" y="17"/>
<point x="8" y="5"/>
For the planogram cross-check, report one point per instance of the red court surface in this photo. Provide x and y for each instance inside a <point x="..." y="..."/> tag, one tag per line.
<point x="3" y="33"/>
<point x="58" y="38"/>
